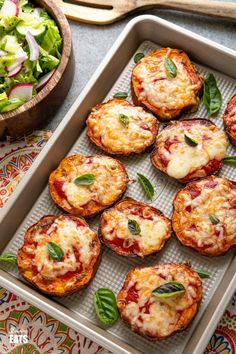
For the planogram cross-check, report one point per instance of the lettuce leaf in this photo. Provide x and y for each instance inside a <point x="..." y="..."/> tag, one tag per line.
<point x="52" y="41"/>
<point x="3" y="96"/>
<point x="9" y="22"/>
<point x="10" y="44"/>
<point x="47" y="62"/>
<point x="26" y="6"/>
<point x="7" y="60"/>
<point x="3" y="72"/>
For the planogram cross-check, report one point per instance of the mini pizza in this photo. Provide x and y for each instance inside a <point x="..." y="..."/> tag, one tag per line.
<point x="167" y="83"/>
<point x="189" y="149"/>
<point x="85" y="185"/>
<point x="204" y="215"/>
<point x="133" y="228"/>
<point x="118" y="127"/>
<point x="156" y="314"/>
<point x="60" y="254"/>
<point x="230" y="120"/>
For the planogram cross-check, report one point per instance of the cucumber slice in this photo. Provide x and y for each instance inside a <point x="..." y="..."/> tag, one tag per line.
<point x="10" y="105"/>
<point x="3" y="104"/>
<point x="36" y="30"/>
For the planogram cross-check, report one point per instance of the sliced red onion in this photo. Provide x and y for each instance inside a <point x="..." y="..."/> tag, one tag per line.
<point x="22" y="91"/>
<point x="33" y="46"/>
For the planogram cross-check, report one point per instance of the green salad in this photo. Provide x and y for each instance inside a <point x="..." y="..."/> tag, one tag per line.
<point x="30" y="51"/>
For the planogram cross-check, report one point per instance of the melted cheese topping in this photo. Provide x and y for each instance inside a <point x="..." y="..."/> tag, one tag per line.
<point x="184" y="159"/>
<point x="160" y="90"/>
<point x="196" y="226"/>
<point x="107" y="187"/>
<point x="153" y="232"/>
<point x="230" y="117"/>
<point x="72" y="238"/>
<point x="164" y="314"/>
<point x="114" y="135"/>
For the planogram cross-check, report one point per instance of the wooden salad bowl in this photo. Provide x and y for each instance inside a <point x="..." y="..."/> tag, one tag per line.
<point x="33" y="113"/>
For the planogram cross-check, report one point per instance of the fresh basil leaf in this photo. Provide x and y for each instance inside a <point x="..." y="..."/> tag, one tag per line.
<point x="202" y="273"/>
<point x="55" y="251"/>
<point x="190" y="141"/>
<point x="134" y="227"/>
<point x="120" y="94"/>
<point x="85" y="180"/>
<point x="214" y="219"/>
<point x="171" y="289"/>
<point x="8" y="257"/>
<point x="230" y="160"/>
<point x="104" y="302"/>
<point x="211" y="95"/>
<point x="138" y="57"/>
<point x="146" y="185"/>
<point x="171" y="69"/>
<point x="124" y="120"/>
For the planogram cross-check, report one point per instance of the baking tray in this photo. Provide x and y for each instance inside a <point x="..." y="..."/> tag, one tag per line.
<point x="31" y="199"/>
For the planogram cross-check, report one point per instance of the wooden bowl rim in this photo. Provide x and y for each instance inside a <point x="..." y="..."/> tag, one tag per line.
<point x="65" y="32"/>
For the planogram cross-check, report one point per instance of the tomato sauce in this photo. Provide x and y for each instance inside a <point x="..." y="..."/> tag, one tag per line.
<point x="119" y="243"/>
<point x="132" y="294"/>
<point x="164" y="160"/>
<point x="211" y="184"/>
<point x="68" y="275"/>
<point x="89" y="159"/>
<point x="188" y="208"/>
<point x="58" y="187"/>
<point x="194" y="192"/>
<point x="144" y="126"/>
<point x="170" y="142"/>
<point x="212" y="166"/>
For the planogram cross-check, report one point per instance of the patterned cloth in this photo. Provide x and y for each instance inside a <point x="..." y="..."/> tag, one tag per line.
<point x="44" y="334"/>
<point x="16" y="157"/>
<point x="223" y="340"/>
<point x="26" y="330"/>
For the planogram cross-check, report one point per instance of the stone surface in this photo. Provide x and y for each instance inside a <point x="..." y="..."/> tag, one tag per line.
<point x="92" y="42"/>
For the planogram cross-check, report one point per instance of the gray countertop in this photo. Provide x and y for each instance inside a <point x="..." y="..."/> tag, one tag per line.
<point x="92" y="42"/>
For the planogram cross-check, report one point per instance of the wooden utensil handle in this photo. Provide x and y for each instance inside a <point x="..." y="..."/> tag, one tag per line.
<point x="226" y="10"/>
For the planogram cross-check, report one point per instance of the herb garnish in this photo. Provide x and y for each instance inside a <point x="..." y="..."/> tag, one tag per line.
<point x="120" y="94"/>
<point x="171" y="69"/>
<point x="9" y="257"/>
<point x="138" y="57"/>
<point x="55" y="251"/>
<point x="85" y="180"/>
<point x="134" y="227"/>
<point x="105" y="306"/>
<point x="211" y="96"/>
<point x="124" y="119"/>
<point x="190" y="141"/>
<point x="146" y="185"/>
<point x="168" y="290"/>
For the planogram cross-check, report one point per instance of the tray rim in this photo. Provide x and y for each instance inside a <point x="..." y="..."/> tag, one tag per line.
<point x="15" y="285"/>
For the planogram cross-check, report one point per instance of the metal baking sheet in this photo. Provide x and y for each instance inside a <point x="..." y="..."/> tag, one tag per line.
<point x="113" y="268"/>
